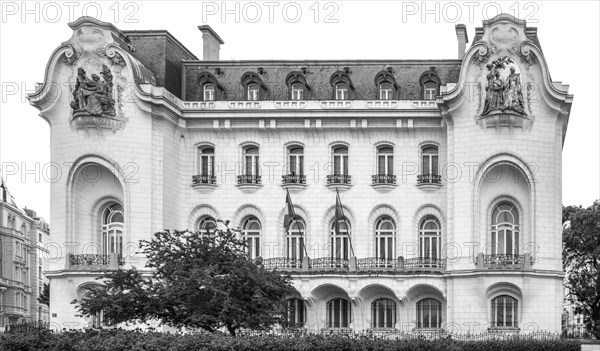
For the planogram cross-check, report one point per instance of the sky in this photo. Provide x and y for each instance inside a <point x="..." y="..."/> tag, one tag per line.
<point x="30" y="31"/>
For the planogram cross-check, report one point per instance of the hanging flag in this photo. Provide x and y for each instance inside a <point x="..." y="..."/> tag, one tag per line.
<point x="339" y="213"/>
<point x="291" y="215"/>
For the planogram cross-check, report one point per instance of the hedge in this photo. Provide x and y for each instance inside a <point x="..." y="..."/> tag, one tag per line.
<point x="121" y="340"/>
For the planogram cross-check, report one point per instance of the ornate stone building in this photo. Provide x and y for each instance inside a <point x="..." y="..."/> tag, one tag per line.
<point x="448" y="172"/>
<point x="23" y="259"/>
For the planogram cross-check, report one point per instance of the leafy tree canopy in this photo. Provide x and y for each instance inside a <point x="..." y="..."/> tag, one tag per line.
<point x="581" y="258"/>
<point x="197" y="280"/>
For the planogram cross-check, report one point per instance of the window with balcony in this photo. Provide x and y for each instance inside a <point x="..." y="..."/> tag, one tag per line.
<point x="385" y="241"/>
<point x="340" y="166"/>
<point x="254" y="88"/>
<point x="383" y="313"/>
<point x="206" y="166"/>
<point x="251" y="229"/>
<point x="430" y="84"/>
<point x="251" y="166"/>
<point x="112" y="229"/>
<point x="295" y="313"/>
<point x="385" y="166"/>
<point x="387" y="89"/>
<point x="339" y="313"/>
<point x="430" y="235"/>
<point x="505" y="311"/>
<point x="505" y="232"/>
<point x="295" y="172"/>
<point x="206" y="224"/>
<point x="298" y="87"/>
<point x="429" y="313"/>
<point x="211" y="90"/>
<point x="429" y="166"/>
<point x="295" y="243"/>
<point x="342" y="86"/>
<point x="340" y="243"/>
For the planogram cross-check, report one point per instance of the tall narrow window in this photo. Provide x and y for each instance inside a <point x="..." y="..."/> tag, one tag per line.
<point x="339" y="313"/>
<point x="385" y="241"/>
<point x="429" y="313"/>
<point x="251" y="230"/>
<point x="505" y="230"/>
<point x="429" y="165"/>
<point x="429" y="91"/>
<point x="251" y="161"/>
<point x="206" y="165"/>
<point x="297" y="91"/>
<point x="112" y="229"/>
<point x="385" y="160"/>
<point x="295" y="313"/>
<point x="383" y="313"/>
<point x="252" y="92"/>
<point x="295" y="243"/>
<point x="296" y="166"/>
<point x="340" y="244"/>
<point x="505" y="311"/>
<point x="341" y="91"/>
<point x="386" y="91"/>
<point x="340" y="160"/>
<point x="429" y="241"/>
<point x="209" y="92"/>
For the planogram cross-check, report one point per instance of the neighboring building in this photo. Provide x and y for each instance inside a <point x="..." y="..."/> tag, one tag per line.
<point x="449" y="173"/>
<point x="22" y="262"/>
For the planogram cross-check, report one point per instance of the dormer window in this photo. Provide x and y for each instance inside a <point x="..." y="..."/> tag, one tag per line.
<point x="430" y="84"/>
<point x="209" y="92"/>
<point x="254" y="88"/>
<point x="342" y="86"/>
<point x="252" y="94"/>
<point x="211" y="89"/>
<point x="387" y="89"/>
<point x="297" y="85"/>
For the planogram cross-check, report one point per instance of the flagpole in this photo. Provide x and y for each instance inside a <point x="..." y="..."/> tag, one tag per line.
<point x="293" y="220"/>
<point x="337" y="227"/>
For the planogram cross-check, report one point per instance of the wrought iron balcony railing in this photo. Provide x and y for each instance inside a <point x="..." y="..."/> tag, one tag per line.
<point x="338" y="179"/>
<point x="90" y="260"/>
<point x="204" y="179"/>
<point x="293" y="179"/>
<point x="503" y="259"/>
<point x="248" y="179"/>
<point x="376" y="262"/>
<point x="329" y="262"/>
<point x="429" y="179"/>
<point x="425" y="263"/>
<point x="282" y="263"/>
<point x="384" y="179"/>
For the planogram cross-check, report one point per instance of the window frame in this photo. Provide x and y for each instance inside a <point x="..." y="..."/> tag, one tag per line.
<point x="252" y="237"/>
<point x="295" y="242"/>
<point x="499" y="230"/>
<point x="344" y="318"/>
<point x="201" y="153"/>
<point x="389" y="309"/>
<point x="251" y="168"/>
<point x="112" y="232"/>
<point x="209" y="94"/>
<point x="388" y="238"/>
<point x="340" y="243"/>
<point x="388" y="160"/>
<point x="343" y="165"/>
<point x="295" y="160"/>
<point x="426" y="240"/>
<point x="430" y="156"/>
<point x="495" y="311"/>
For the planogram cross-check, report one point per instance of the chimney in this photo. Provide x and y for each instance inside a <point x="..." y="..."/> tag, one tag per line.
<point x="211" y="43"/>
<point x="463" y="39"/>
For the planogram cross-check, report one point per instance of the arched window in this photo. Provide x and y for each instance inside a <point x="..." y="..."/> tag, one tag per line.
<point x="430" y="84"/>
<point x="430" y="235"/>
<point x="210" y="88"/>
<point x="505" y="230"/>
<point x="112" y="229"/>
<point x="295" y="242"/>
<point x="295" y="313"/>
<point x="206" y="224"/>
<point x="429" y="313"/>
<point x="206" y="166"/>
<point x="385" y="241"/>
<point x="387" y="89"/>
<point x="298" y="87"/>
<point x="339" y="313"/>
<point x="209" y="92"/>
<point x="383" y="313"/>
<point x="340" y="243"/>
<point x="251" y="230"/>
<point x="254" y="88"/>
<point x="297" y="91"/>
<point x="505" y="311"/>
<point x="342" y="86"/>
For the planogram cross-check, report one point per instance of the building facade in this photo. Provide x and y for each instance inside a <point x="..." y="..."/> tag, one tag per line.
<point x="448" y="173"/>
<point x="23" y="260"/>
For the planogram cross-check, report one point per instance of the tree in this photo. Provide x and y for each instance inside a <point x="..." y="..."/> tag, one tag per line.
<point x="44" y="297"/>
<point x="581" y="260"/>
<point x="198" y="281"/>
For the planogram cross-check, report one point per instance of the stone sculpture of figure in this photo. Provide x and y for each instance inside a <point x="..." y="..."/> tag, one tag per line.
<point x="488" y="90"/>
<point x="513" y="99"/>
<point x="496" y="98"/>
<point x="93" y="96"/>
